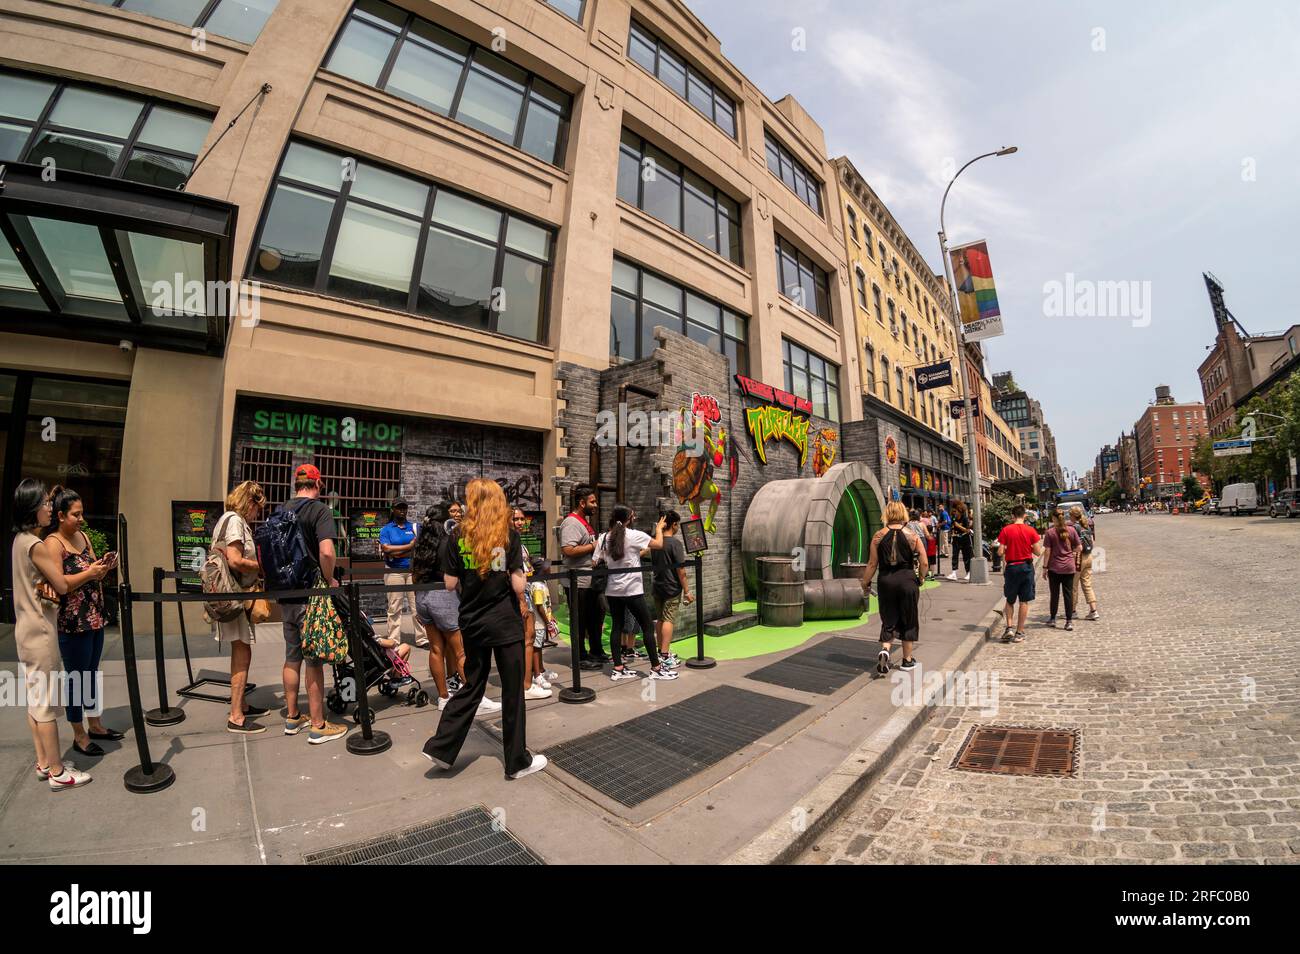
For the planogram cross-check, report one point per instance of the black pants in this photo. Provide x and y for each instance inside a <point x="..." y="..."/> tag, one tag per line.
<point x="590" y="620"/>
<point x="962" y="547"/>
<point x="635" y="605"/>
<point x="1058" y="582"/>
<point x="458" y="717"/>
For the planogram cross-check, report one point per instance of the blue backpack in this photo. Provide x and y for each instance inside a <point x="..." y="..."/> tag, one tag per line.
<point x="287" y="563"/>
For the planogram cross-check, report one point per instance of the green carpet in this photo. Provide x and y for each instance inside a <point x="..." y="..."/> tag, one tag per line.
<point x="754" y="641"/>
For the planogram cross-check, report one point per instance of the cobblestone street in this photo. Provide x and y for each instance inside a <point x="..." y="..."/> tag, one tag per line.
<point x="1187" y="697"/>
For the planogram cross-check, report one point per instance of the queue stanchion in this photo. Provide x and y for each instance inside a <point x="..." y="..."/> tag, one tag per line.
<point x="147" y="776"/>
<point x="164" y="714"/>
<point x="369" y="742"/>
<point x="576" y="693"/>
<point x="699" y="660"/>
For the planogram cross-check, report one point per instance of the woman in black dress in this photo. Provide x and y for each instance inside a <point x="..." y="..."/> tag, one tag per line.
<point x="900" y="556"/>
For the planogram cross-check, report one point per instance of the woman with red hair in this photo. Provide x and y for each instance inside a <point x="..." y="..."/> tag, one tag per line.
<point x="484" y="560"/>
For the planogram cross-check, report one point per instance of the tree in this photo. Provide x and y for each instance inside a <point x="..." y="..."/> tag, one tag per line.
<point x="1191" y="489"/>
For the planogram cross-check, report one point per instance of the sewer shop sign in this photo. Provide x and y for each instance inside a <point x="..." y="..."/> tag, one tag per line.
<point x="331" y="429"/>
<point x="785" y="417"/>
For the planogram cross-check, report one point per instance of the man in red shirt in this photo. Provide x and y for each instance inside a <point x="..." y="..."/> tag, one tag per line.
<point x="1020" y="544"/>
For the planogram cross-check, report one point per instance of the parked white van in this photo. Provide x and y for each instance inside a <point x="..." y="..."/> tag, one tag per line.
<point x="1238" y="498"/>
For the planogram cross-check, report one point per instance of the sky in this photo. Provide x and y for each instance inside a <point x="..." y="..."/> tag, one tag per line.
<point x="1157" y="140"/>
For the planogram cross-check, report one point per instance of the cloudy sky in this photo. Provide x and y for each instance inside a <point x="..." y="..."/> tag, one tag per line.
<point x="1157" y="140"/>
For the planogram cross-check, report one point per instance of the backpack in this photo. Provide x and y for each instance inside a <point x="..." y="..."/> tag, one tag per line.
<point x="216" y="577"/>
<point x="287" y="563"/>
<point x="1085" y="537"/>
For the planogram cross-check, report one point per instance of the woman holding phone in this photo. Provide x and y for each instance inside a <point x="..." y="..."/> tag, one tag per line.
<point x="81" y="619"/>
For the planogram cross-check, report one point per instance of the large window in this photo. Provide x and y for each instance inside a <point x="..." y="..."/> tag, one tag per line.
<point x="793" y="173"/>
<point x="359" y="231"/>
<point x="812" y="377"/>
<point x="98" y="131"/>
<point x="240" y="20"/>
<point x="648" y="51"/>
<point x="641" y="299"/>
<point x="656" y="183"/>
<point x="398" y="52"/>
<point x="570" y="8"/>
<point x="802" y="281"/>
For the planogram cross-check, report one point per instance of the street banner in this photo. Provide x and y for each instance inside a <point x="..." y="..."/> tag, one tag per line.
<point x="958" y="407"/>
<point x="934" y="376"/>
<point x="977" y="297"/>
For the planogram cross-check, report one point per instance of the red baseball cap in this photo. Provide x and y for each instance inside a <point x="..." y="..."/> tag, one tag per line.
<point x="307" y="472"/>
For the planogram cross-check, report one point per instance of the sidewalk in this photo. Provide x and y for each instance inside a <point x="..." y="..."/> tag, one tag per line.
<point x="271" y="798"/>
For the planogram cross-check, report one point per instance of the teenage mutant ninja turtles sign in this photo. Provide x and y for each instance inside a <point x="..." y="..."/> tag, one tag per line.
<point x="703" y="447"/>
<point x="787" y="417"/>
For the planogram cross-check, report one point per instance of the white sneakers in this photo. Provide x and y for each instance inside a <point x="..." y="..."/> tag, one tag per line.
<point x="442" y="702"/>
<point x="488" y="705"/>
<point x="952" y="576"/>
<point x="70" y="778"/>
<point x="537" y="692"/>
<point x="966" y="578"/>
<point x="539" y="763"/>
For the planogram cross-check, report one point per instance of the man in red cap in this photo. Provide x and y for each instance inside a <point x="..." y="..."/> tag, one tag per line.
<point x="316" y="521"/>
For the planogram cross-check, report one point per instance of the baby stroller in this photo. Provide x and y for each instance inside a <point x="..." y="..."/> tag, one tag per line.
<point x="382" y="665"/>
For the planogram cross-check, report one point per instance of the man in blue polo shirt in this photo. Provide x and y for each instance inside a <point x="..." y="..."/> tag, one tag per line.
<point x="396" y="541"/>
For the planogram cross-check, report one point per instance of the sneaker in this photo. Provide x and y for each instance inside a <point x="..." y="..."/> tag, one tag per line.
<point x="639" y="652"/>
<point x="882" y="662"/>
<point x="550" y="675"/>
<point x="42" y="773"/>
<point x="422" y="642"/>
<point x="454" y="685"/>
<point x="488" y="705"/>
<point x="537" y="692"/>
<point x="438" y="762"/>
<point x="907" y="664"/>
<point x="297" y="723"/>
<point x="1069" y="626"/>
<point x="442" y="702"/>
<point x="547" y="643"/>
<point x="1093" y="616"/>
<point x="952" y="576"/>
<point x="403" y="682"/>
<point x="617" y="675"/>
<point x="539" y="763"/>
<point x="1019" y="637"/>
<point x="672" y="661"/>
<point x="326" y="733"/>
<point x="1051" y="621"/>
<point x="542" y="682"/>
<point x="71" y="777"/>
<point x="966" y="578"/>
<point x="1007" y="634"/>
<point x="663" y="672"/>
<point x="248" y="728"/>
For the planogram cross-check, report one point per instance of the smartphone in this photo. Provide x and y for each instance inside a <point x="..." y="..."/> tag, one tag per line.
<point x="110" y="558"/>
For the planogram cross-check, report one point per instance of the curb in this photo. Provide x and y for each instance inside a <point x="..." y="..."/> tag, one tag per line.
<point x="781" y="843"/>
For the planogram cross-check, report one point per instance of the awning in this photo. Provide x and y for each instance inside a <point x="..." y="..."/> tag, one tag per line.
<point x="100" y="259"/>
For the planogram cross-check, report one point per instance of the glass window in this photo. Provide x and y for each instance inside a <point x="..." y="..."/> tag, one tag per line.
<point x="661" y="189"/>
<point x="810" y="376"/>
<point x="24" y="97"/>
<point x="94" y="112"/>
<point x="453" y="77"/>
<point x="792" y="172"/>
<point x="622" y="328"/>
<point x="652" y="54"/>
<point x="700" y="212"/>
<point x="96" y="156"/>
<point x="241" y="20"/>
<point x="175" y="129"/>
<point x="470" y="273"/>
<point x="802" y="281"/>
<point x="82" y="265"/>
<point x="642" y="300"/>
<point x="178" y="11"/>
<point x="159" y="260"/>
<point x="570" y="8"/>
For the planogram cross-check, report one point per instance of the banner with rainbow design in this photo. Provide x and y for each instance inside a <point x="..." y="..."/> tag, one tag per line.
<point x="977" y="297"/>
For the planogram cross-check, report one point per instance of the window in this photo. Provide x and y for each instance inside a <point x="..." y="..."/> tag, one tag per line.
<point x="394" y="241"/>
<point x="570" y="8"/>
<point x="640" y="299"/>
<point x="853" y="225"/>
<point x="898" y="382"/>
<point x="884" y="378"/>
<point x="240" y="20"/>
<point x="652" y="54"/>
<point x="871" y="369"/>
<point x="658" y="184"/>
<point x="398" y="52"/>
<point x="814" y="378"/>
<point x="905" y="341"/>
<point x="793" y="173"/>
<point x="875" y="296"/>
<point x="866" y="240"/>
<point x="911" y="396"/>
<point x="802" y="281"/>
<point x="98" y="131"/>
<point x="894" y="264"/>
<point x="861" y="279"/>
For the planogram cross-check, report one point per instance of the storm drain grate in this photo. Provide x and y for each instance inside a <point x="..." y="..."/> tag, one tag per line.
<point x="643" y="757"/>
<point x="1015" y="750"/>
<point x="469" y="837"/>
<point x="823" y="668"/>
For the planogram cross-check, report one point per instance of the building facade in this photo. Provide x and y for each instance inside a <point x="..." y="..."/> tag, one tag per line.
<point x="470" y="225"/>
<point x="1166" y="435"/>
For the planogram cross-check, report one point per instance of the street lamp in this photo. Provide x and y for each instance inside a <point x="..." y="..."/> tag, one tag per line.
<point x="979" y="571"/>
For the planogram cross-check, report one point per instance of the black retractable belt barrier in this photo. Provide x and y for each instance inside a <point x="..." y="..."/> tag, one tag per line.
<point x="700" y="661"/>
<point x="147" y="776"/>
<point x="164" y="714"/>
<point x="369" y="742"/>
<point x="576" y="693"/>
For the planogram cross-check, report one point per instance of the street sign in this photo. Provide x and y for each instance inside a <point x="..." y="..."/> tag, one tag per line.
<point x="1232" y="448"/>
<point x="934" y="376"/>
<point x="958" y="408"/>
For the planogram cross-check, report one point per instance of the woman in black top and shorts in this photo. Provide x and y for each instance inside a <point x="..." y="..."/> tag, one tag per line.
<point x="900" y="557"/>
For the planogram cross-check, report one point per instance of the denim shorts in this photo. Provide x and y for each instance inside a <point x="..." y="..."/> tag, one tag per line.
<point x="1018" y="582"/>
<point x="440" y="608"/>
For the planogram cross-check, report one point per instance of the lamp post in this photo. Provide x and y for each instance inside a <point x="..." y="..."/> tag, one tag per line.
<point x="979" y="571"/>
